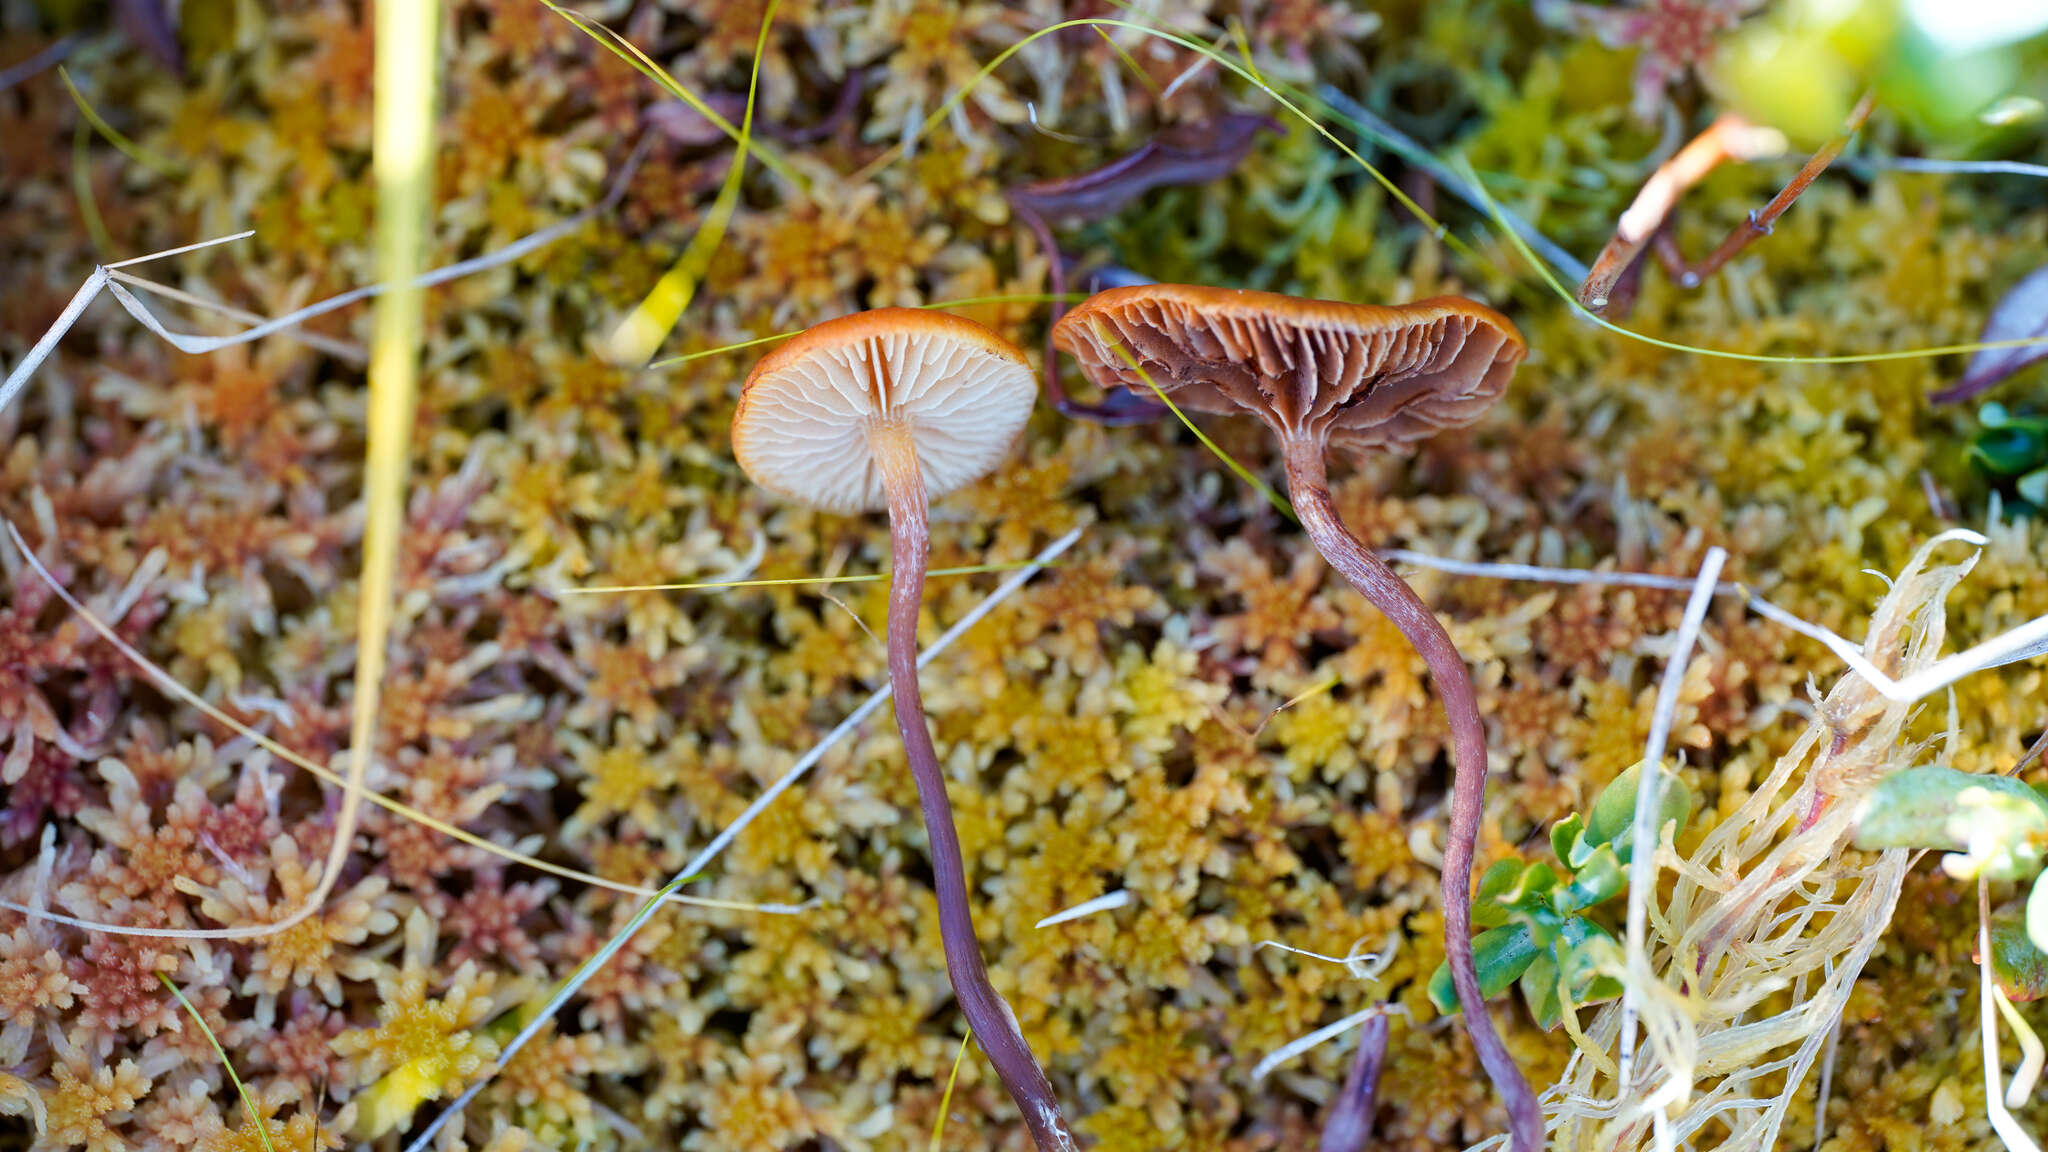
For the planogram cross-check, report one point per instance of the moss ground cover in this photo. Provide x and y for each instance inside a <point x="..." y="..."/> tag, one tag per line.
<point x="1110" y="728"/>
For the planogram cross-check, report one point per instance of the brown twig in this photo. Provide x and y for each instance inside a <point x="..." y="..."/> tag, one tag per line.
<point x="843" y="108"/>
<point x="687" y="126"/>
<point x="51" y="55"/>
<point x="1760" y="223"/>
<point x="2033" y="751"/>
<point x="150" y="24"/>
<point x="1729" y="138"/>
<point x="1117" y="408"/>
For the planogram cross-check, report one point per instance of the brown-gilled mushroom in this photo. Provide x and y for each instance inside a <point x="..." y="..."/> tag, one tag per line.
<point x="887" y="409"/>
<point x="1322" y="374"/>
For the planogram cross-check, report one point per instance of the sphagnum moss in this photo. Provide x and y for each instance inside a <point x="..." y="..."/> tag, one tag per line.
<point x="1808" y="474"/>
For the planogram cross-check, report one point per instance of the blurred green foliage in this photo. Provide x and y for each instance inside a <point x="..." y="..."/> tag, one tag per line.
<point x="2011" y="449"/>
<point x="1802" y="65"/>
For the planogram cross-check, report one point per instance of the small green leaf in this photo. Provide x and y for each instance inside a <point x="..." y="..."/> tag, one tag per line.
<point x="1539" y="989"/>
<point x="1500" y="955"/>
<point x="2037" y="913"/>
<point x="1600" y="878"/>
<point x="2008" y="451"/>
<point x="2033" y="487"/>
<point x="1578" y="949"/>
<point x="1614" y="810"/>
<point x="1566" y="974"/>
<point x="1487" y="909"/>
<point x="1532" y="888"/>
<point x="2017" y="963"/>
<point x="1995" y="826"/>
<point x="1564" y="835"/>
<point x="1910" y="809"/>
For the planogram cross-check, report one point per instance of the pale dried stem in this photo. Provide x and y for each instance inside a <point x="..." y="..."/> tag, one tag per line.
<point x="1753" y="953"/>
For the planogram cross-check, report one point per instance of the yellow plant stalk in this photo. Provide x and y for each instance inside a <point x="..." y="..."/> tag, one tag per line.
<point x="256" y="1118"/>
<point x="402" y="159"/>
<point x="632" y="344"/>
<point x="402" y="164"/>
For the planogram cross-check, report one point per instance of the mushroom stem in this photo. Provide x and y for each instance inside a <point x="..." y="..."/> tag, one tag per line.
<point x="1308" y="485"/>
<point x="994" y="1024"/>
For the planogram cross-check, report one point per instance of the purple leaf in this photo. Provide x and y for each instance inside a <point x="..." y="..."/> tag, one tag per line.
<point x="1182" y="154"/>
<point x="2022" y="315"/>
<point x="149" y="24"/>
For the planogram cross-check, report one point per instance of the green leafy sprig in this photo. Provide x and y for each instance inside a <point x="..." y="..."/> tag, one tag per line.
<point x="1534" y="914"/>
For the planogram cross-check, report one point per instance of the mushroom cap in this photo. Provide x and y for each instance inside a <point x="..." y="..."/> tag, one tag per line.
<point x="806" y="413"/>
<point x="1359" y="375"/>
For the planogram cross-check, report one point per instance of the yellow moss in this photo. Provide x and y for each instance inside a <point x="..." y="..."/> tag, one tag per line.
<point x="421" y="1049"/>
<point x="88" y="1106"/>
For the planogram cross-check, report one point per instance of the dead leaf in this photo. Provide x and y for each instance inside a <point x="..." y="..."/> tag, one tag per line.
<point x="2021" y="315"/>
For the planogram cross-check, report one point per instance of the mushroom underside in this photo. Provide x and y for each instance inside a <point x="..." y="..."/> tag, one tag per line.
<point x="1359" y="390"/>
<point x="811" y="414"/>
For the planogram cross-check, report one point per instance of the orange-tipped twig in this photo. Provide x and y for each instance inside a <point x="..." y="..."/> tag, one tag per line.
<point x="1729" y="138"/>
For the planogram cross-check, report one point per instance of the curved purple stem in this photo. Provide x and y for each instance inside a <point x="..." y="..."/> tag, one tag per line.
<point x="1308" y="485"/>
<point x="995" y="1026"/>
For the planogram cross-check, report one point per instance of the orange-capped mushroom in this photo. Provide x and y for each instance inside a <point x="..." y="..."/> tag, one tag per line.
<point x="1360" y="376"/>
<point x="887" y="409"/>
<point x="1322" y="373"/>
